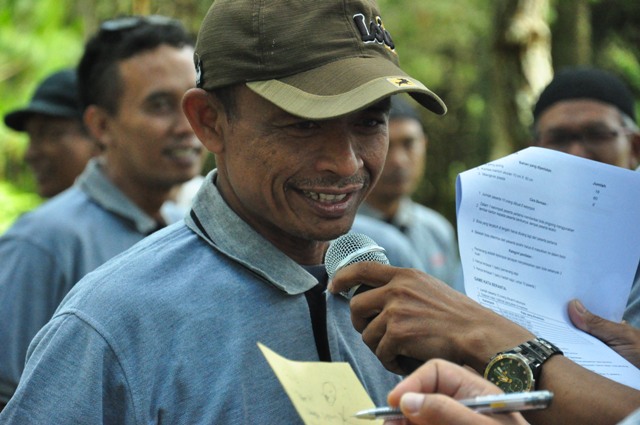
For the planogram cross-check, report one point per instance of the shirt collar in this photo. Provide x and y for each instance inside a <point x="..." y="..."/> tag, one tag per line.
<point x="94" y="182"/>
<point x="223" y="229"/>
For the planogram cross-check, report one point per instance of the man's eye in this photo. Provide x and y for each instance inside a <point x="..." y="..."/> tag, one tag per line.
<point x="409" y="144"/>
<point x="305" y="125"/>
<point x="372" y="122"/>
<point x="600" y="134"/>
<point x="160" y="105"/>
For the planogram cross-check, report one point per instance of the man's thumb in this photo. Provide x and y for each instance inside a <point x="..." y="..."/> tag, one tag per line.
<point x="584" y="320"/>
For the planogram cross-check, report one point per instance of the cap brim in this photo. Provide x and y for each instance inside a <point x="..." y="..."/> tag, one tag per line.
<point x="16" y="120"/>
<point x="342" y="87"/>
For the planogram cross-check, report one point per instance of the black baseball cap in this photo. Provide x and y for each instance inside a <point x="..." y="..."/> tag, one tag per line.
<point x="56" y="96"/>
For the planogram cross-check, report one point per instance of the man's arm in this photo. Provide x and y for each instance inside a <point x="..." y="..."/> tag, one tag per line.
<point x="413" y="314"/>
<point x="582" y="396"/>
<point x="71" y="376"/>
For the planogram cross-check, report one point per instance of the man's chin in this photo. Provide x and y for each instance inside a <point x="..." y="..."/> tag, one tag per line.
<point x="331" y="233"/>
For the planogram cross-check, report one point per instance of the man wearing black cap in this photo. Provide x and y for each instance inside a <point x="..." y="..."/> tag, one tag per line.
<point x="293" y="100"/>
<point x="59" y="144"/>
<point x="591" y="113"/>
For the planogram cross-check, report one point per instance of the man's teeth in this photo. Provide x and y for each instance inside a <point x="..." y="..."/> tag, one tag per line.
<point x="323" y="197"/>
<point x="183" y="152"/>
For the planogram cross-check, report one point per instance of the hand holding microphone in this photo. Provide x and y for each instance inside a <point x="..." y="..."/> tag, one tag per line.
<point x="354" y="248"/>
<point x="411" y="314"/>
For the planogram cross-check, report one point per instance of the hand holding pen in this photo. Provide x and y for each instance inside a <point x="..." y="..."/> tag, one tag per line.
<point x="492" y="403"/>
<point x="433" y="392"/>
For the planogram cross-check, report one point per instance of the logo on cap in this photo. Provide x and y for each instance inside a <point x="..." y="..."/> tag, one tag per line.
<point x="375" y="32"/>
<point x="400" y="81"/>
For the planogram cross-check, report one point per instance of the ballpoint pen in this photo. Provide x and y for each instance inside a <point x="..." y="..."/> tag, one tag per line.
<point x="495" y="403"/>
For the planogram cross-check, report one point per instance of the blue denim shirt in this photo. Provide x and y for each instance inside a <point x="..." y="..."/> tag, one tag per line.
<point x="167" y="333"/>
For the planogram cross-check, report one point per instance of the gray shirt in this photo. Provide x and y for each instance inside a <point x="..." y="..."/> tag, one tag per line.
<point x="397" y="247"/>
<point x="431" y="235"/>
<point x="167" y="333"/>
<point x="52" y="247"/>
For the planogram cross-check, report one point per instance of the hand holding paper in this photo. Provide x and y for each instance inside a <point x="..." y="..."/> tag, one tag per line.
<point x="539" y="228"/>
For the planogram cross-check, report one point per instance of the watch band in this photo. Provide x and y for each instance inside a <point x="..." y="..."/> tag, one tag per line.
<point x="536" y="352"/>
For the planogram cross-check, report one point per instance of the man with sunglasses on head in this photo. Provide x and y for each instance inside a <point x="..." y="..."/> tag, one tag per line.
<point x="589" y="112"/>
<point x="167" y="332"/>
<point x="132" y="77"/>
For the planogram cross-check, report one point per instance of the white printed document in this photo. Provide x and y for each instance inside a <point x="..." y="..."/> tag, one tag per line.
<point x="539" y="228"/>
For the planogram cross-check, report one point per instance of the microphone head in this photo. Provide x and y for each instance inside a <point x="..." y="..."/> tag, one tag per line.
<point x="352" y="248"/>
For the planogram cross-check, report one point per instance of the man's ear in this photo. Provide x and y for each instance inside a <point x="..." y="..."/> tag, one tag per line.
<point x="206" y="116"/>
<point x="97" y="121"/>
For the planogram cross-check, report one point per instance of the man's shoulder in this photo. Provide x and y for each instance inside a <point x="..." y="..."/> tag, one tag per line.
<point x="397" y="245"/>
<point x="57" y="216"/>
<point x="428" y="217"/>
<point x="157" y="266"/>
<point x="379" y="231"/>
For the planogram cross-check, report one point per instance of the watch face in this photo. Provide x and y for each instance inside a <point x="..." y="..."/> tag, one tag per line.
<point x="510" y="372"/>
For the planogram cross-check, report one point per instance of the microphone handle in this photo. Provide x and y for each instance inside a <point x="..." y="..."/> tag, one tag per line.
<point x="408" y="364"/>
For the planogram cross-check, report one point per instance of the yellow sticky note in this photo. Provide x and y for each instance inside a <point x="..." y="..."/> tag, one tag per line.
<point x="322" y="393"/>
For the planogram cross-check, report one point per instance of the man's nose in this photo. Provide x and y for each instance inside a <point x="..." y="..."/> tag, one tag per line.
<point x="340" y="156"/>
<point x="576" y="147"/>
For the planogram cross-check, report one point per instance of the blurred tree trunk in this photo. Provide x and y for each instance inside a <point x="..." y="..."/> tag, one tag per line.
<point x="571" y="44"/>
<point x="522" y="67"/>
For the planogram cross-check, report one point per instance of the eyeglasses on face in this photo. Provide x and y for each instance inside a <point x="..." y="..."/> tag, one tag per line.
<point x="589" y="138"/>
<point x="131" y="22"/>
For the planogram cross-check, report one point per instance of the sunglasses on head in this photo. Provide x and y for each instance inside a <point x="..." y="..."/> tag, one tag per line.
<point x="130" y="22"/>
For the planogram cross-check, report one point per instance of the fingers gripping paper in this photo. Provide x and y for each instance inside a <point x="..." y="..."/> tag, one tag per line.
<point x="322" y="393"/>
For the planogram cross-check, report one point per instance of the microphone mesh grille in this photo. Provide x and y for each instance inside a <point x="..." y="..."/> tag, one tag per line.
<point x="352" y="248"/>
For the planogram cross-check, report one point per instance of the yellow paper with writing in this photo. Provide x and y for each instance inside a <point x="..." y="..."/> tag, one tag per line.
<point x="323" y="393"/>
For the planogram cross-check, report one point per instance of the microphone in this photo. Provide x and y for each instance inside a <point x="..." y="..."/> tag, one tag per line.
<point x="352" y="248"/>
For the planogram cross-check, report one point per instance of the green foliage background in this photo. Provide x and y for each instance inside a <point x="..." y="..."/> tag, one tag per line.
<point x="447" y="44"/>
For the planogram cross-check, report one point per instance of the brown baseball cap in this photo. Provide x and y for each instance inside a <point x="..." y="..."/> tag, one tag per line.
<point x="315" y="59"/>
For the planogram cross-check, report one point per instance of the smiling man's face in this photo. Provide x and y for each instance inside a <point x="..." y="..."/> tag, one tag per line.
<point x="150" y="143"/>
<point x="296" y="181"/>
